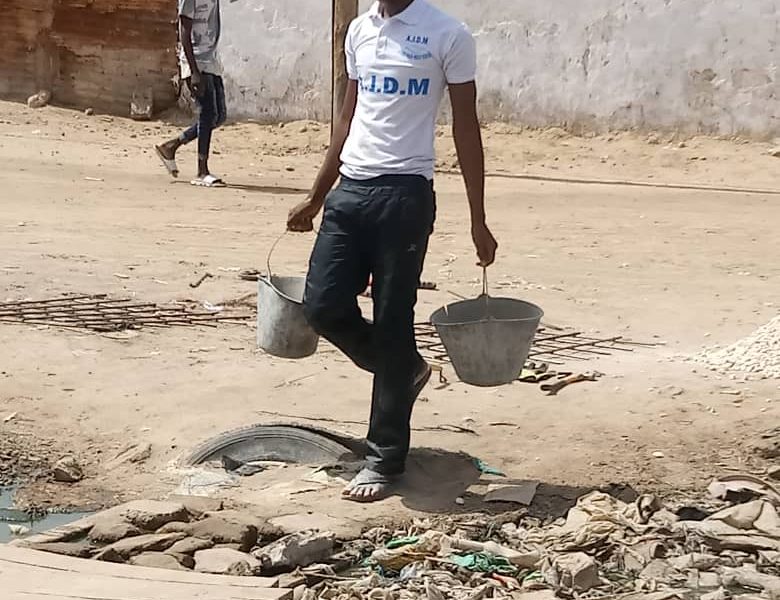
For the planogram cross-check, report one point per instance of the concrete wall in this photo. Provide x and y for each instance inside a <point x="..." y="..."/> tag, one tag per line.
<point x="94" y="53"/>
<point x="691" y="65"/>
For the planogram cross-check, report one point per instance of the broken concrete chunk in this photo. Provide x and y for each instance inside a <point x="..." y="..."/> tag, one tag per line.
<point x="110" y="529"/>
<point x="197" y="506"/>
<point x="297" y="550"/>
<point x="223" y="561"/>
<point x="576" y="571"/>
<point x="153" y="542"/>
<point x="657" y="570"/>
<point x="343" y="529"/>
<point x="157" y="560"/>
<point x="695" y="560"/>
<point x="218" y="530"/>
<point x="67" y="470"/>
<point x="39" y="100"/>
<point x="190" y="545"/>
<point x="81" y="549"/>
<point x="150" y="515"/>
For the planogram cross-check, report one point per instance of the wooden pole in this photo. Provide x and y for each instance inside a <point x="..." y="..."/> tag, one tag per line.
<point x="344" y="11"/>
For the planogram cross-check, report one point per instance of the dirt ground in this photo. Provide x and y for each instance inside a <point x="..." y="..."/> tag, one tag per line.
<point x="87" y="208"/>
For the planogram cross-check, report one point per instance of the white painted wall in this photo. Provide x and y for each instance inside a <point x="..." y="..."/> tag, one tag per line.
<point x="690" y="65"/>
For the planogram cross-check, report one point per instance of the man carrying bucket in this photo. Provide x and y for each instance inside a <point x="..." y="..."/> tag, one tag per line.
<point x="401" y="56"/>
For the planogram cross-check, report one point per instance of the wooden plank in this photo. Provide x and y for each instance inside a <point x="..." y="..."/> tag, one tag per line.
<point x="21" y="579"/>
<point x="44" y="563"/>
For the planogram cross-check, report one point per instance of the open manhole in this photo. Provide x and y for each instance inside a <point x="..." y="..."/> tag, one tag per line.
<point x="283" y="442"/>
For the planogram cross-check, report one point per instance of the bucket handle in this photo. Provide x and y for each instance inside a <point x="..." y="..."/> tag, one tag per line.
<point x="272" y="250"/>
<point x="485" y="292"/>
<point x="270" y="253"/>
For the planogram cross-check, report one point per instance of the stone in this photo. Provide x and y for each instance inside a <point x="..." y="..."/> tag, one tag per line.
<point x="152" y="542"/>
<point x="695" y="560"/>
<point x="198" y="506"/>
<point x="39" y="100"/>
<point x="720" y="594"/>
<point x="577" y="571"/>
<point x="223" y="561"/>
<point x="344" y="529"/>
<point x="156" y="560"/>
<point x="67" y="470"/>
<point x="185" y="560"/>
<point x="142" y="105"/>
<point x="297" y="550"/>
<point x="218" y="530"/>
<point x="708" y="580"/>
<point x="81" y="549"/>
<point x="190" y="545"/>
<point x="657" y="570"/>
<point x="150" y="515"/>
<point x="774" y="473"/>
<point x="775" y="152"/>
<point x="134" y="454"/>
<point x="108" y="530"/>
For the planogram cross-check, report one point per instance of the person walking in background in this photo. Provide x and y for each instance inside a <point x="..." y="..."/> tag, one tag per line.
<point x="199" y="32"/>
<point x="401" y="56"/>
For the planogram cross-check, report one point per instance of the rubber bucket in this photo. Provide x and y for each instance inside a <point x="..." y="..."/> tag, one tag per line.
<point x="488" y="339"/>
<point x="282" y="328"/>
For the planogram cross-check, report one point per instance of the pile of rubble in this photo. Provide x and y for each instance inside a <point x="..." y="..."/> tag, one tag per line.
<point x="603" y="548"/>
<point x="757" y="355"/>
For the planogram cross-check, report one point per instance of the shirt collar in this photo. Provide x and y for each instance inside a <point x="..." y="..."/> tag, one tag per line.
<point x="411" y="16"/>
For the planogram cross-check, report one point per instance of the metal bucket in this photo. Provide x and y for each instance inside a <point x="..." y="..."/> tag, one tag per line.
<point x="282" y="328"/>
<point x="488" y="339"/>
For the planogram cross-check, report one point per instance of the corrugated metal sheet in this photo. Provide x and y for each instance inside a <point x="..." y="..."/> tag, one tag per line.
<point x="89" y="53"/>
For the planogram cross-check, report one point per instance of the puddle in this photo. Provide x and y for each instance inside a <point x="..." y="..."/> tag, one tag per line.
<point x="9" y="515"/>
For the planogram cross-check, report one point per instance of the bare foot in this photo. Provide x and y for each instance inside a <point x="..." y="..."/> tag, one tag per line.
<point x="370" y="486"/>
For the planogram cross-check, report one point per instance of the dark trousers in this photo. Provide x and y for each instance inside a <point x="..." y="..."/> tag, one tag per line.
<point x="377" y="228"/>
<point x="212" y="113"/>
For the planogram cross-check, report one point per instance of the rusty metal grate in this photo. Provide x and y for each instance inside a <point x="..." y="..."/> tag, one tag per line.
<point x="99" y="313"/>
<point x="551" y="345"/>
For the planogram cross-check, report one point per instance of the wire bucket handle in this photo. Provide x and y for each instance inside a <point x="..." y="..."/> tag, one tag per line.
<point x="272" y="250"/>
<point x="485" y="292"/>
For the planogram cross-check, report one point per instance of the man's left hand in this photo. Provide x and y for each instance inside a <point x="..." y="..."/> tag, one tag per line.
<point x="485" y="244"/>
<point x="301" y="218"/>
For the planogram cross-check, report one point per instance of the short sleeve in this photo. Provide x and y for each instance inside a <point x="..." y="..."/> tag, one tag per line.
<point x="460" y="61"/>
<point x="187" y="8"/>
<point x="349" y="52"/>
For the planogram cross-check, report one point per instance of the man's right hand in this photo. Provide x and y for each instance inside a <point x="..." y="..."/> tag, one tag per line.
<point x="301" y="218"/>
<point x="196" y="83"/>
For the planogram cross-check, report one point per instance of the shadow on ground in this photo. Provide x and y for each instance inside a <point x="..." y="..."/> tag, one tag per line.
<point x="437" y="481"/>
<point x="259" y="189"/>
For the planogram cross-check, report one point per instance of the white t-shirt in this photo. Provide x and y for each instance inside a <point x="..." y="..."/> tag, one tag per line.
<point x="403" y="65"/>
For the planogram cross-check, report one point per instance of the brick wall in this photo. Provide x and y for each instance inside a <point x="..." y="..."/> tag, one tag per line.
<point x="89" y="53"/>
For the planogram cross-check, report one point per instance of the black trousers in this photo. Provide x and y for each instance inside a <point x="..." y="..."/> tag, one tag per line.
<point x="377" y="228"/>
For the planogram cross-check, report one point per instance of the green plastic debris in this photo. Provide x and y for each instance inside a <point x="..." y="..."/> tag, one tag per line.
<point x="487" y="469"/>
<point x="481" y="562"/>
<point x="401" y="542"/>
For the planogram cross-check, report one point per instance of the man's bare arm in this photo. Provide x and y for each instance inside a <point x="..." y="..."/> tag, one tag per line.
<point x="185" y="35"/>
<point x="471" y="156"/>
<point x="302" y="216"/>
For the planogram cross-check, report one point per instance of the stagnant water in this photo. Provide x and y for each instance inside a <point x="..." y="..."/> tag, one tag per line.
<point x="9" y="515"/>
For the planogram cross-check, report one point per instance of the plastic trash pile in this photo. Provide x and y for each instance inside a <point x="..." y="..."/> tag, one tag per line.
<point x="604" y="548"/>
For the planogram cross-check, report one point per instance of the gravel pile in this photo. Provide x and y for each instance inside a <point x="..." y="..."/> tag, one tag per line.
<point x="22" y="458"/>
<point x="757" y="354"/>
